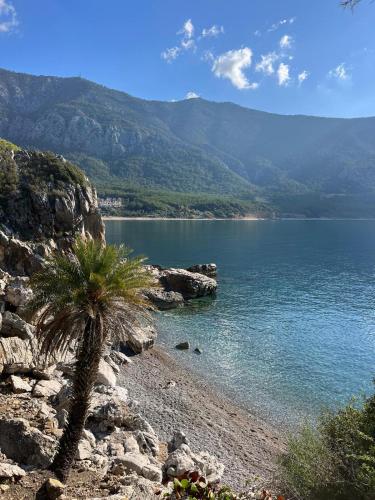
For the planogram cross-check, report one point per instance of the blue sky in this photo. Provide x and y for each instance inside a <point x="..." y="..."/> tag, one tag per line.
<point x="283" y="56"/>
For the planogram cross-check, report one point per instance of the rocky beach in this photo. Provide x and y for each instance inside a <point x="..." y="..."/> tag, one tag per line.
<point x="150" y="419"/>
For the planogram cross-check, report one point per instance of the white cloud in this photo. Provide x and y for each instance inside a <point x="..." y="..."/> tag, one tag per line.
<point x="303" y="76"/>
<point x="340" y="72"/>
<point x="187" y="30"/>
<point x="231" y="65"/>
<point x="171" y="54"/>
<point x="214" y="31"/>
<point x="286" y="42"/>
<point x="191" y="95"/>
<point x="8" y="17"/>
<point x="188" y="44"/>
<point x="283" y="74"/>
<point x="266" y="64"/>
<point x="207" y="56"/>
<point x="257" y="33"/>
<point x="282" y="22"/>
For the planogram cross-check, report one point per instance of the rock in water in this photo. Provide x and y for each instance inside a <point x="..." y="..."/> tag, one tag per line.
<point x="206" y="269"/>
<point x="189" y="285"/>
<point x="183" y="346"/>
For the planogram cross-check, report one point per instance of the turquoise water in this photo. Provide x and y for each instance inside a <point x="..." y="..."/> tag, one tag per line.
<point x="293" y="326"/>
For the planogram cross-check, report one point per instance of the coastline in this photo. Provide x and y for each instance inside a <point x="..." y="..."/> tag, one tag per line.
<point x="173" y="398"/>
<point x="115" y="217"/>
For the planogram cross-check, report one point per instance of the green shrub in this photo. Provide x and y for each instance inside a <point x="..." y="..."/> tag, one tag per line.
<point x="335" y="460"/>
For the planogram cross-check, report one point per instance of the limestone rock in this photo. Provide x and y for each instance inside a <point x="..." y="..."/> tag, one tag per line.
<point x="183" y="460"/>
<point x="47" y="388"/>
<point x="17" y="292"/>
<point x="141" y="339"/>
<point x="14" y="326"/>
<point x="25" y="444"/>
<point x="106" y="376"/>
<point x="10" y="471"/>
<point x="179" y="438"/>
<point x="189" y="285"/>
<point x="16" y="355"/>
<point x="164" y="300"/>
<point x="54" y="488"/>
<point x="19" y="385"/>
<point x="206" y="269"/>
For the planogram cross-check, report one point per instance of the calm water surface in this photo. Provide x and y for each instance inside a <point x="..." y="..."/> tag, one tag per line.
<point x="293" y="326"/>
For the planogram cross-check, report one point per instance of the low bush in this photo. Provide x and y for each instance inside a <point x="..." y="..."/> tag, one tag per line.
<point x="334" y="460"/>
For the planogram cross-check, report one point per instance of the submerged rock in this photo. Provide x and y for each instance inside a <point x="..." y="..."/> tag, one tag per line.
<point x="183" y="346"/>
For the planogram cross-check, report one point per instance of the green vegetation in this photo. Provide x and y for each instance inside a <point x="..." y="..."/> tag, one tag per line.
<point x="83" y="302"/>
<point x="336" y="460"/>
<point x="157" y="203"/>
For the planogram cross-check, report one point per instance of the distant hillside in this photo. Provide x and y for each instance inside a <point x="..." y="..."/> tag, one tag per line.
<point x="296" y="164"/>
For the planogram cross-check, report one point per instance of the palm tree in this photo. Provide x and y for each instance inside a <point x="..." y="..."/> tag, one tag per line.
<point x="85" y="300"/>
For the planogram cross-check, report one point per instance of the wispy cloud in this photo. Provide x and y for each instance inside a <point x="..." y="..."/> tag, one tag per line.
<point x="214" y="31"/>
<point x="231" y="65"/>
<point x="8" y="17"/>
<point x="282" y="22"/>
<point x="340" y="72"/>
<point x="286" y="42"/>
<point x="266" y="64"/>
<point x="283" y="74"/>
<point x="171" y="54"/>
<point x="191" y="95"/>
<point x="303" y="76"/>
<point x="187" y="30"/>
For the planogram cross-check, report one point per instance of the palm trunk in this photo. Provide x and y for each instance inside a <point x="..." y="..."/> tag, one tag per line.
<point x="85" y="374"/>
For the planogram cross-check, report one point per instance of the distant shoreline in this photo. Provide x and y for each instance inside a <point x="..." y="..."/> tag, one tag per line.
<point x="250" y="218"/>
<point x="114" y="217"/>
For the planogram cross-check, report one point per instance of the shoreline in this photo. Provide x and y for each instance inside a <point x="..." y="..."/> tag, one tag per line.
<point x="120" y="218"/>
<point x="173" y="398"/>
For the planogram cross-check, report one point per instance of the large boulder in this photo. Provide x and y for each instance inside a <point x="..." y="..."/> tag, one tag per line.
<point x="163" y="300"/>
<point x="10" y="471"/>
<point x="17" y="355"/>
<point x="17" y="292"/>
<point x="25" y="444"/>
<point x="182" y="461"/>
<point x="189" y="285"/>
<point x="14" y="326"/>
<point x="141" y="338"/>
<point x="106" y="375"/>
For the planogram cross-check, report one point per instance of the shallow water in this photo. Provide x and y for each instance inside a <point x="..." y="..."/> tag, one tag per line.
<point x="293" y="326"/>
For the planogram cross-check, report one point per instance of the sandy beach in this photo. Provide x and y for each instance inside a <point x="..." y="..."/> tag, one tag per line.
<point x="172" y="398"/>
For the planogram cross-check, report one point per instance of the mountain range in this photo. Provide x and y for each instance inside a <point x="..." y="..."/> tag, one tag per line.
<point x="195" y="149"/>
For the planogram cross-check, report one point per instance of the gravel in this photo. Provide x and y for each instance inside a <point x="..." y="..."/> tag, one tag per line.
<point x="172" y="398"/>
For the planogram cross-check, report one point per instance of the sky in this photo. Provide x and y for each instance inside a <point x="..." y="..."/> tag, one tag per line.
<point x="282" y="56"/>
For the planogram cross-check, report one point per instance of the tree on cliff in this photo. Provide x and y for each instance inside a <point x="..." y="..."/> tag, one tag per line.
<point x="86" y="300"/>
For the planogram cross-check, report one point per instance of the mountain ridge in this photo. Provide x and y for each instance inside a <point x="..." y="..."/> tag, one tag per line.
<point x="191" y="146"/>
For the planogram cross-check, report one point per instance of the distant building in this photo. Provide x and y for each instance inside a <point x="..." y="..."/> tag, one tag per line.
<point x="110" y="202"/>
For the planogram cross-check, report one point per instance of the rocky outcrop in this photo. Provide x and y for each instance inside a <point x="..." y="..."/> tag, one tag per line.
<point x="45" y="202"/>
<point x="176" y="286"/>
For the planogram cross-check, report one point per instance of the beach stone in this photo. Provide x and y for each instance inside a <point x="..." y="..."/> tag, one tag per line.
<point x="182" y="346"/>
<point x="47" y="388"/>
<point x="198" y="350"/>
<point x="106" y="375"/>
<point x="54" y="488"/>
<point x="14" y="326"/>
<point x="10" y="471"/>
<point x="25" y="444"/>
<point x="141" y="339"/>
<point x="19" y="385"/>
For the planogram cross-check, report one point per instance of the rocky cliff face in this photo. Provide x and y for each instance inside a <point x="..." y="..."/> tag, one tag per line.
<point x="45" y="202"/>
